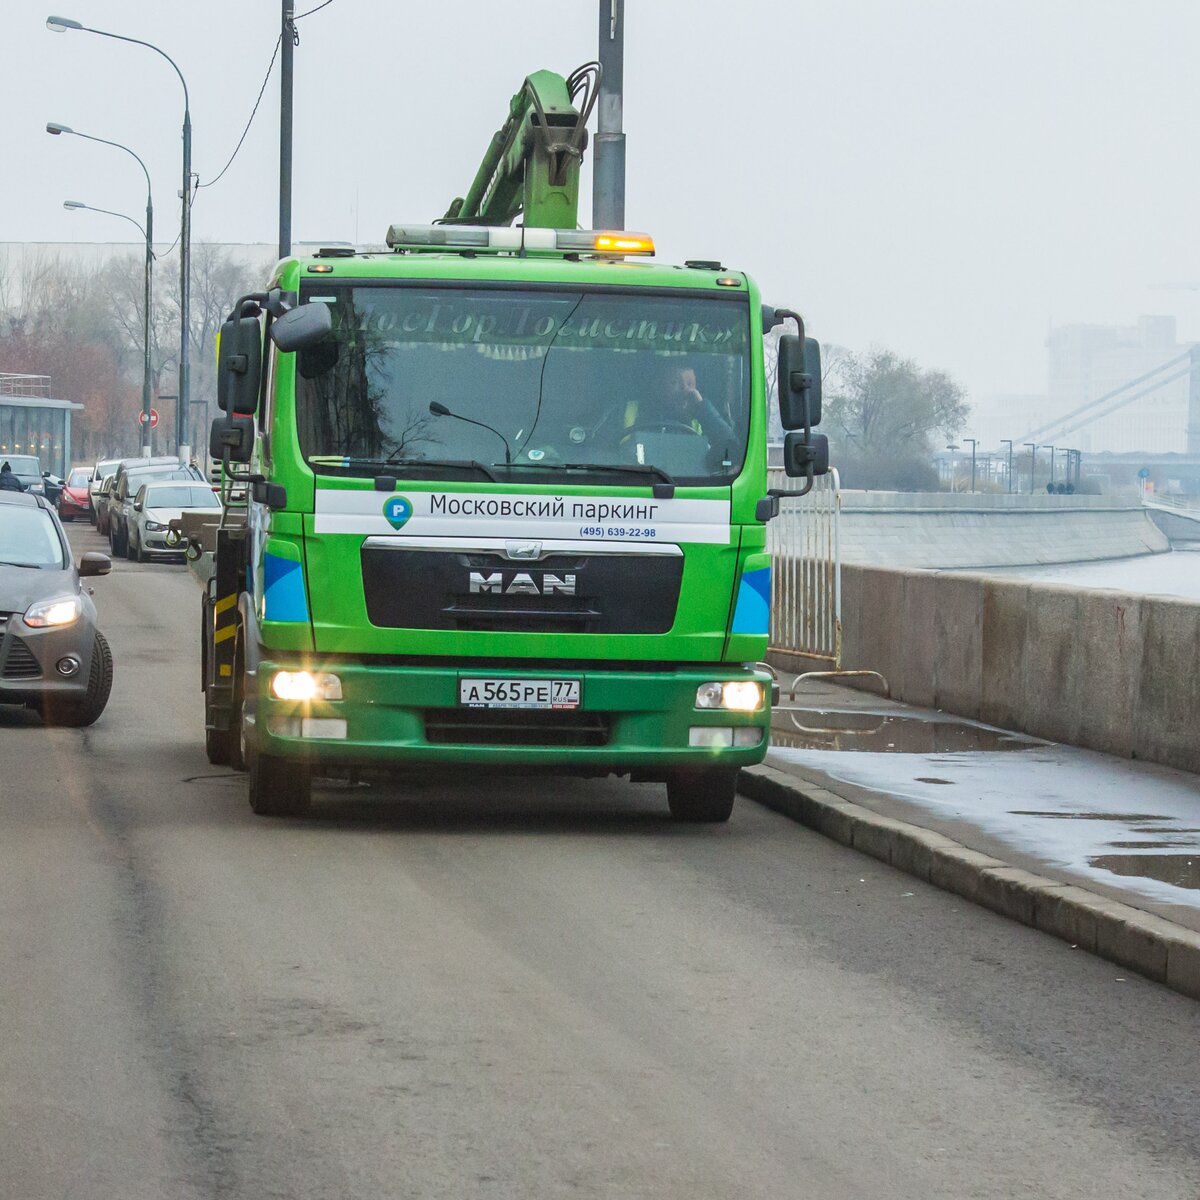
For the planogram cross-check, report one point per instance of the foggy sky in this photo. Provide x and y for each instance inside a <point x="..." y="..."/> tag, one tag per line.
<point x="941" y="177"/>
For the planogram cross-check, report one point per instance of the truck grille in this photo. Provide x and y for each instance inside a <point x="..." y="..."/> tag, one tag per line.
<point x="20" y="663"/>
<point x="491" y="727"/>
<point x="561" y="593"/>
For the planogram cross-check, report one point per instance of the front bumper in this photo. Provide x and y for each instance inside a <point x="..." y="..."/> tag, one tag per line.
<point x="29" y="658"/>
<point x="155" y="545"/>
<point x="627" y="721"/>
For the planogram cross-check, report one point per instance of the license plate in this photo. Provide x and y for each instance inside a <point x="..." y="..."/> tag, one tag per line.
<point x="518" y="693"/>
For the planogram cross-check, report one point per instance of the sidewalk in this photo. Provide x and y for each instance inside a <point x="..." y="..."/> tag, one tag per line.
<point x="1123" y="831"/>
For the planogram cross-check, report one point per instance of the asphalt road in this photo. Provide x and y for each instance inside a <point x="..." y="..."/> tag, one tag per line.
<point x="485" y="988"/>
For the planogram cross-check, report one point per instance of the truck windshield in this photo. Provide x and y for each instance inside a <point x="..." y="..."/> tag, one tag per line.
<point x="601" y="378"/>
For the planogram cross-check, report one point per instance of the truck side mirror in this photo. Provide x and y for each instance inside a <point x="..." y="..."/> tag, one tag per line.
<point x="301" y="327"/>
<point x="799" y="377"/>
<point x="233" y="436"/>
<point x="239" y="365"/>
<point x="804" y="458"/>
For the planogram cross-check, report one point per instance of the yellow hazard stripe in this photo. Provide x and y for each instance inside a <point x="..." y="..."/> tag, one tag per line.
<point x="223" y="635"/>
<point x="224" y="604"/>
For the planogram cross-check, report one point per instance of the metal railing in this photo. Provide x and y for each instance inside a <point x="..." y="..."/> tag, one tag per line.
<point x="806" y="568"/>
<point x="1180" y="506"/>
<point x="12" y="383"/>
<point x="806" y="577"/>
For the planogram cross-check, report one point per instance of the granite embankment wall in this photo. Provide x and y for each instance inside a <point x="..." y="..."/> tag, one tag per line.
<point x="1106" y="670"/>
<point x="1180" y="531"/>
<point x="961" y="531"/>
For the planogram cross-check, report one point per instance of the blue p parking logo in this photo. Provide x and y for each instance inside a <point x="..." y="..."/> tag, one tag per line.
<point x="397" y="510"/>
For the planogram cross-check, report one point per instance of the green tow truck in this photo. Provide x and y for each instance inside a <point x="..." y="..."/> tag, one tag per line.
<point x="506" y="497"/>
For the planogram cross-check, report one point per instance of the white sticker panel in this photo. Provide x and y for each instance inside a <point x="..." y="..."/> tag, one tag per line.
<point x="506" y="514"/>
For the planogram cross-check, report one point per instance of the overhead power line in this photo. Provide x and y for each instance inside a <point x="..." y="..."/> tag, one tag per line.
<point x="261" y="92"/>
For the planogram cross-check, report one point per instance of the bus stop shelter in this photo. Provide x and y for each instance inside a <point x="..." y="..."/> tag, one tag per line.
<point x="34" y="422"/>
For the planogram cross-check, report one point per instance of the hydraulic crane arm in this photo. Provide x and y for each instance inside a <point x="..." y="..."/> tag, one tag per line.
<point x="532" y="163"/>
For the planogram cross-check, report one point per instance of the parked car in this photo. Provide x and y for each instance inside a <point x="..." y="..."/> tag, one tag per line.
<point x="53" y="485"/>
<point x="28" y="469"/>
<point x="73" y="499"/>
<point x="103" y="468"/>
<point x="131" y="474"/>
<point x="52" y="656"/>
<point x="103" y="505"/>
<point x="156" y="505"/>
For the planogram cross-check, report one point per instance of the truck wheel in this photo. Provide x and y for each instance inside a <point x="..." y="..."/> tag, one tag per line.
<point x="279" y="787"/>
<point x="86" y="709"/>
<point x="702" y="797"/>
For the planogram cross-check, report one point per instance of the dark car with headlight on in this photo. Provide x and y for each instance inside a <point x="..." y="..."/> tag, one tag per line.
<point x="52" y="656"/>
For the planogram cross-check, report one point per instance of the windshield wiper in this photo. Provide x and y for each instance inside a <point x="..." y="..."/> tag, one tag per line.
<point x="621" y="468"/>
<point x="386" y="464"/>
<point x="27" y="566"/>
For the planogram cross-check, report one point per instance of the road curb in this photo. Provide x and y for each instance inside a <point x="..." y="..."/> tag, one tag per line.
<point x="1140" y="941"/>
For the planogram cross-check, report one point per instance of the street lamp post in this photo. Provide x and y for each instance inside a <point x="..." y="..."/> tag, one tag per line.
<point x="1032" y="446"/>
<point x="62" y="25"/>
<point x="953" y="447"/>
<point x="974" y="442"/>
<point x="73" y="205"/>
<point x="287" y="44"/>
<point x="53" y="127"/>
<point x="1008" y="442"/>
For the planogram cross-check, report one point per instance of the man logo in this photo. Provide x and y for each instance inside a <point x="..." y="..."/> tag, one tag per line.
<point x="397" y="510"/>
<point x="521" y="584"/>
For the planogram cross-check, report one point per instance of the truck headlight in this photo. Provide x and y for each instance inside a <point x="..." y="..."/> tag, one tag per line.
<point x="305" y="685"/>
<point x="63" y="610"/>
<point x="735" y="695"/>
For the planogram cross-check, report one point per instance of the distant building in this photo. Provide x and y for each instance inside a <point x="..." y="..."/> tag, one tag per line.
<point x="34" y="422"/>
<point x="1087" y="362"/>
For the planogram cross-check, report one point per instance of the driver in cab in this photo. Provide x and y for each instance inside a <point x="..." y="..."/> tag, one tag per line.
<point x="681" y="408"/>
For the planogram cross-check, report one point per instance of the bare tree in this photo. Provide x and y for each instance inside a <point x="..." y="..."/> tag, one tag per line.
<point x="885" y="414"/>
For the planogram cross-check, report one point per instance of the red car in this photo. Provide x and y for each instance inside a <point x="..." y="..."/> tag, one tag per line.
<point x="73" y="499"/>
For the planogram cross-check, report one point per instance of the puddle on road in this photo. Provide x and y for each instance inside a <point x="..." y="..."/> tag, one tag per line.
<point x="1179" y="870"/>
<point x="831" y="729"/>
<point x="1125" y="817"/>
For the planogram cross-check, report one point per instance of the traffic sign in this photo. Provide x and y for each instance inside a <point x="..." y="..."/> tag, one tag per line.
<point x="153" y="418"/>
<point x="1144" y="473"/>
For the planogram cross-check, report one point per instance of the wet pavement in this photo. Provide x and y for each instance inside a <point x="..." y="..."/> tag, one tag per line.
<point x="1125" y="829"/>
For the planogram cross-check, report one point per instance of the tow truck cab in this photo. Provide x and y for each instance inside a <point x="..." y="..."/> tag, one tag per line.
<point x="508" y="509"/>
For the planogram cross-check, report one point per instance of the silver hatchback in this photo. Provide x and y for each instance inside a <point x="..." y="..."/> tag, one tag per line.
<point x="52" y="656"/>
